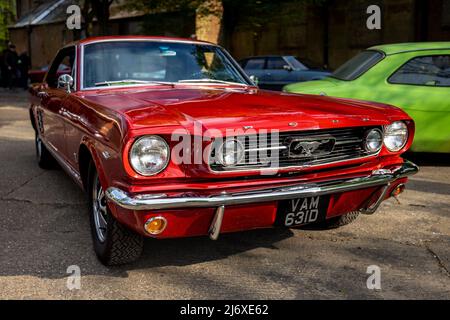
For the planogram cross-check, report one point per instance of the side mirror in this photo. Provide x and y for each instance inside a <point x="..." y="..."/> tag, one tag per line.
<point x="287" y="67"/>
<point x="65" y="81"/>
<point x="254" y="79"/>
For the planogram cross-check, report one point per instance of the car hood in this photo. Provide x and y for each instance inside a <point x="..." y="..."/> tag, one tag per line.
<point x="312" y="87"/>
<point x="225" y="108"/>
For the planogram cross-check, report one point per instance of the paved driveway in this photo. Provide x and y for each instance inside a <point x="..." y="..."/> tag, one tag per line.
<point x="45" y="229"/>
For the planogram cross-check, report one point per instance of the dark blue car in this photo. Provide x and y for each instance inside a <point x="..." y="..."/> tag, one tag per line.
<point x="274" y="72"/>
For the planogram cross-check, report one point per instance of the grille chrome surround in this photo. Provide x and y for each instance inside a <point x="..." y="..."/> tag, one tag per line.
<point x="348" y="144"/>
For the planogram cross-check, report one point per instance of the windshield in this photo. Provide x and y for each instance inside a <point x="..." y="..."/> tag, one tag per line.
<point x="120" y="63"/>
<point x="358" y="65"/>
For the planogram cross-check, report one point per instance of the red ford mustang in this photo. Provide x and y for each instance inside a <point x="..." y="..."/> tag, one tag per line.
<point x="170" y="138"/>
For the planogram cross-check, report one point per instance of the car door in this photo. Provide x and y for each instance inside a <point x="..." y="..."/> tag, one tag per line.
<point x="421" y="88"/>
<point x="52" y="111"/>
<point x="418" y="83"/>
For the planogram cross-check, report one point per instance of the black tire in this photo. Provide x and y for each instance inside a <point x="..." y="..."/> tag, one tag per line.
<point x="115" y="244"/>
<point x="44" y="158"/>
<point x="334" y="222"/>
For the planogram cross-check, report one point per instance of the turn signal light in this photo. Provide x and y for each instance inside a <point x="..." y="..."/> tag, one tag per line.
<point x="155" y="225"/>
<point x="397" y="190"/>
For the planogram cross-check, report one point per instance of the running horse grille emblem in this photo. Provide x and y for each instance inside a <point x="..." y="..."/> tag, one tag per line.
<point x="313" y="147"/>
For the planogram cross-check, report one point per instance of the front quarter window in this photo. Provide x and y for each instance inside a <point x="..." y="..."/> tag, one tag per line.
<point x="358" y="65"/>
<point x="63" y="64"/>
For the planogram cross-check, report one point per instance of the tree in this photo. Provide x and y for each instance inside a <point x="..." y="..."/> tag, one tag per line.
<point x="209" y="13"/>
<point x="98" y="9"/>
<point x="222" y="12"/>
<point x="7" y="17"/>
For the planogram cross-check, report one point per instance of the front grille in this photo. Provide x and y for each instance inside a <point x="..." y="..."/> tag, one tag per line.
<point x="328" y="146"/>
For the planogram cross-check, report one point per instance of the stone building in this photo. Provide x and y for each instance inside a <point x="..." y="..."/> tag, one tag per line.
<point x="327" y="35"/>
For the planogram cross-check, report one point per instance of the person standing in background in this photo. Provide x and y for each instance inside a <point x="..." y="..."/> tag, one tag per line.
<point x="10" y="59"/>
<point x="24" y="66"/>
<point x="2" y="70"/>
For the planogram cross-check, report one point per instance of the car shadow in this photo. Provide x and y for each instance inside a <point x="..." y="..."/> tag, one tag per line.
<point x="428" y="158"/>
<point x="51" y="200"/>
<point x="63" y="237"/>
<point x="429" y="186"/>
<point x="189" y="251"/>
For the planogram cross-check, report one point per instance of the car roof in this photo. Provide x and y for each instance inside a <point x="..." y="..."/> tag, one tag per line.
<point x="396" y="48"/>
<point x="136" y="38"/>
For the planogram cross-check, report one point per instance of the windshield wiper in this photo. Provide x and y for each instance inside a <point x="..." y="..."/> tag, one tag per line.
<point x="109" y="83"/>
<point x="208" y="80"/>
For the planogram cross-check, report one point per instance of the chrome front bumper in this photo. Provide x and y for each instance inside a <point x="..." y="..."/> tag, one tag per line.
<point x="381" y="177"/>
<point x="162" y="201"/>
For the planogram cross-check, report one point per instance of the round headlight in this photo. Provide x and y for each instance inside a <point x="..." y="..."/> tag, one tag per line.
<point x="149" y="155"/>
<point x="395" y="136"/>
<point x="230" y="153"/>
<point x="374" y="140"/>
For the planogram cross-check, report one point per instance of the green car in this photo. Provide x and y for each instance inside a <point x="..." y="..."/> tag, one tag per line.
<point x="412" y="76"/>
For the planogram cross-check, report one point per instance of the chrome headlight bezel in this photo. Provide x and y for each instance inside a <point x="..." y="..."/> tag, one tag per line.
<point x="369" y="138"/>
<point x="156" y="145"/>
<point x="396" y="136"/>
<point x="240" y="152"/>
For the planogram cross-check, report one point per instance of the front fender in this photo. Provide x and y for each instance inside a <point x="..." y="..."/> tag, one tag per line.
<point x="93" y="148"/>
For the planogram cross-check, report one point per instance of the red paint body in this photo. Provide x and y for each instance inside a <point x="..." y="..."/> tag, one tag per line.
<point x="110" y="119"/>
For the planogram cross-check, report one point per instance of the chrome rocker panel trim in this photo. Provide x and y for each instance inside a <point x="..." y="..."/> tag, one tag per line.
<point x="162" y="201"/>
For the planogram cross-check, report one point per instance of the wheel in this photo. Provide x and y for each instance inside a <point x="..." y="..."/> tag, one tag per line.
<point x="44" y="158"/>
<point x="114" y="243"/>
<point x="334" y="222"/>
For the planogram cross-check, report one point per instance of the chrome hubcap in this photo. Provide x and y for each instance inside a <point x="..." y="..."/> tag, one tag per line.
<point x="100" y="210"/>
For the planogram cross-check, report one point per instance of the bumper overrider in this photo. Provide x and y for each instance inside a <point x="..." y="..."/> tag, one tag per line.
<point x="382" y="178"/>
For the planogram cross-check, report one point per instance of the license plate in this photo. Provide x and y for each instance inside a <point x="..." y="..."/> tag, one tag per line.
<point x="301" y="211"/>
